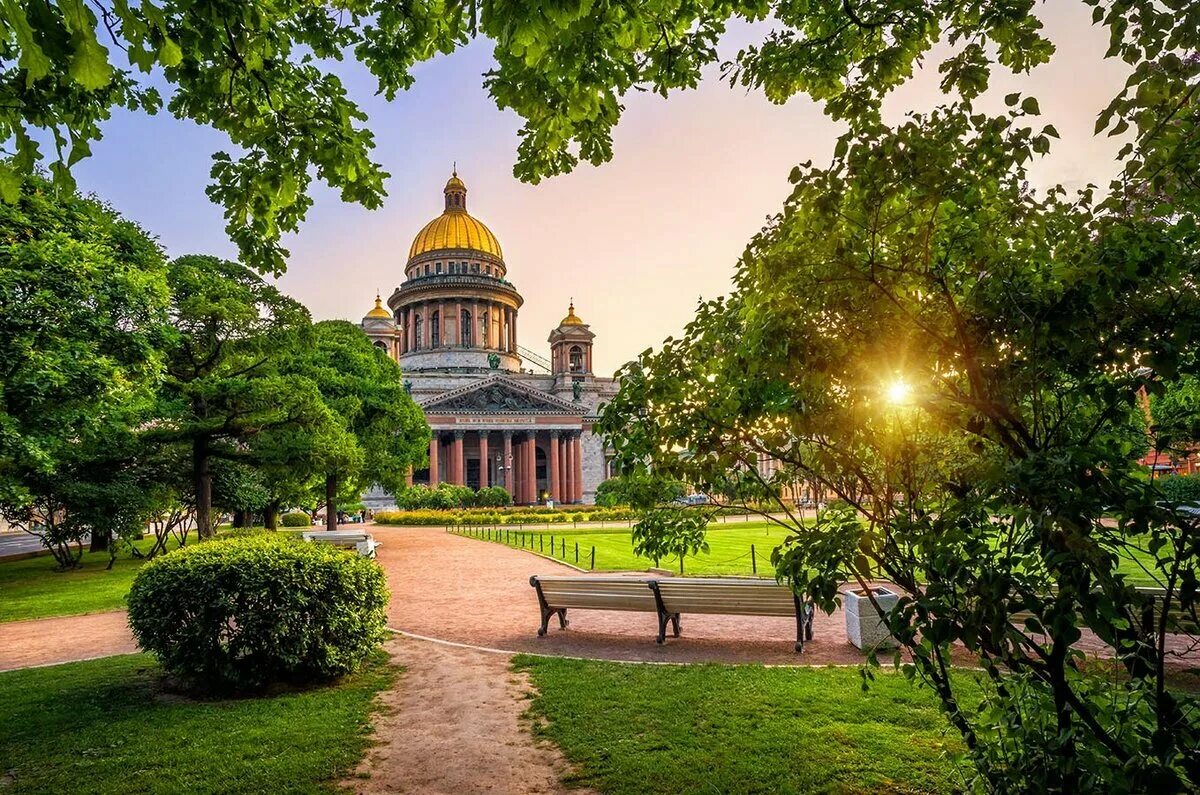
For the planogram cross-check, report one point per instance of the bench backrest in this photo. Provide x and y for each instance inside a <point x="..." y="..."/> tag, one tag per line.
<point x="726" y="597"/>
<point x="340" y="537"/>
<point x="598" y="593"/>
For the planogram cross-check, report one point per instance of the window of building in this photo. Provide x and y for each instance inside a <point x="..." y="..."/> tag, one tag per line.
<point x="435" y="330"/>
<point x="426" y="269"/>
<point x="419" y="330"/>
<point x="437" y="268"/>
<point x="576" y="359"/>
<point x="464" y="325"/>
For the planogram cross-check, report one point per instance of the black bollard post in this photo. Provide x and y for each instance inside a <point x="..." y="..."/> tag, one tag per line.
<point x="593" y="566"/>
<point x="753" y="561"/>
<point x="576" y="551"/>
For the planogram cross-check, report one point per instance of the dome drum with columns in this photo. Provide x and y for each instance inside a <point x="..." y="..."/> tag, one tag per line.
<point x="498" y="418"/>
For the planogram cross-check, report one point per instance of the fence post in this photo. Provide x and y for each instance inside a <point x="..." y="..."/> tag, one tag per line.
<point x="564" y="548"/>
<point x="753" y="561"/>
<point x="593" y="566"/>
<point x="681" y="563"/>
<point x="576" y="551"/>
<point x="541" y="543"/>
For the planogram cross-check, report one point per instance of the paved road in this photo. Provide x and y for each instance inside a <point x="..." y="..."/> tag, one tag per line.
<point x="17" y="543"/>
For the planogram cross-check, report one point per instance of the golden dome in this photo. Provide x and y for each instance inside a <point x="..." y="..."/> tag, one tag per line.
<point x="379" y="311"/>
<point x="571" y="319"/>
<point x="455" y="228"/>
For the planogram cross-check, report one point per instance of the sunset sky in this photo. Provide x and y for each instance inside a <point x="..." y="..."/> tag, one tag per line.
<point x="636" y="241"/>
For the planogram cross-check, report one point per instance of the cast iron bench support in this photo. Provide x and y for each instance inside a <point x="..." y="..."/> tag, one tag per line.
<point x="547" y="611"/>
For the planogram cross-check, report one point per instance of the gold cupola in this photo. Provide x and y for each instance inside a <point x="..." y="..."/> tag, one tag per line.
<point x="571" y="319"/>
<point x="379" y="311"/>
<point x="456" y="229"/>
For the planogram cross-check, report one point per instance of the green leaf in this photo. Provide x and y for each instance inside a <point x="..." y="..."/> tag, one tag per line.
<point x="1030" y="106"/>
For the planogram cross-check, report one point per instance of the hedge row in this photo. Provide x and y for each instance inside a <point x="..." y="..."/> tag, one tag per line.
<point x="483" y="516"/>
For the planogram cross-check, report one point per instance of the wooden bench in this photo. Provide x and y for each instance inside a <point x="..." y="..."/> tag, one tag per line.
<point x="556" y="595"/>
<point x="729" y="597"/>
<point x="669" y="598"/>
<point x="364" y="543"/>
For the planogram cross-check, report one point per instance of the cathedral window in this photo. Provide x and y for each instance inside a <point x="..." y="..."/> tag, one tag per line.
<point x="464" y="324"/>
<point x="419" y="330"/>
<point x="435" y="328"/>
<point x="576" y="359"/>
<point x="437" y="268"/>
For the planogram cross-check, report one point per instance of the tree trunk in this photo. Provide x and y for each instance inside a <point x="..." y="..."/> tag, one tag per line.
<point x="331" y="483"/>
<point x="101" y="541"/>
<point x="247" y="519"/>
<point x="271" y="516"/>
<point x="203" y="484"/>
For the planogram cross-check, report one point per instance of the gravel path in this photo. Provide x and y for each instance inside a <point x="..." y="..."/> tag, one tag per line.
<point x="46" y="641"/>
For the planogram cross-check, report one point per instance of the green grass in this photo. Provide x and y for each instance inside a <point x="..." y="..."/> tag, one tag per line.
<point x="729" y="549"/>
<point x="32" y="588"/>
<point x="746" y="729"/>
<point x="110" y="726"/>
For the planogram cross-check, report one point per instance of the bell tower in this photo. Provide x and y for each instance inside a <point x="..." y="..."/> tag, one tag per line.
<point x="571" y="350"/>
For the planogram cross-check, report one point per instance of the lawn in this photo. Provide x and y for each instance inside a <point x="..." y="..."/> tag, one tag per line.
<point x="729" y="549"/>
<point x="712" y="728"/>
<point x="110" y="726"/>
<point x="32" y="587"/>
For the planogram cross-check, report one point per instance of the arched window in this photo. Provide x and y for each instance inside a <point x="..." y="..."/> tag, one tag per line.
<point x="435" y="330"/>
<point x="418" y="331"/>
<point x="576" y="359"/>
<point x="483" y="329"/>
<point x="381" y="345"/>
<point x="464" y="325"/>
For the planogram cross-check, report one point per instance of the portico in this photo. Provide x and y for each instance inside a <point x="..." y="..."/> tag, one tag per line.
<point x="540" y="461"/>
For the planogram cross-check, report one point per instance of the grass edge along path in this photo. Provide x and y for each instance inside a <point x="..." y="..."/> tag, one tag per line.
<point x="740" y="728"/>
<point x="114" y="726"/>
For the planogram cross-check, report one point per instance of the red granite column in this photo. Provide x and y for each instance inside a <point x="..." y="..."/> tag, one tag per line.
<point x="533" y="466"/>
<point x="577" y="475"/>
<point x="552" y="468"/>
<point x="568" y="485"/>
<point x="456" y="460"/>
<point x="507" y="461"/>
<point x="483" y="459"/>
<point x="434" y="443"/>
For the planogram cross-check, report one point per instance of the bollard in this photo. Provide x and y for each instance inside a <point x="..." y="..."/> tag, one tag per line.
<point x="564" y="549"/>
<point x="753" y="561"/>
<point x="541" y="543"/>
<point x="576" y="551"/>
<point x="681" y="563"/>
<point x="593" y="566"/>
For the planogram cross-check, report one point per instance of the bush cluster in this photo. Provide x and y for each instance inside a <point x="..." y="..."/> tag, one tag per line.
<point x="295" y="519"/>
<point x="1181" y="488"/>
<point x="528" y="515"/>
<point x="239" y="613"/>
<point x="446" y="496"/>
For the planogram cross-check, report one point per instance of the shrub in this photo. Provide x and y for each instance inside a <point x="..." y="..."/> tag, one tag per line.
<point x="493" y="497"/>
<point x="295" y="519"/>
<point x="1181" y="488"/>
<point x="245" y="612"/>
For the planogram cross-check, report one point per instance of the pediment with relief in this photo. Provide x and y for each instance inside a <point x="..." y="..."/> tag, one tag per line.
<point x="500" y="396"/>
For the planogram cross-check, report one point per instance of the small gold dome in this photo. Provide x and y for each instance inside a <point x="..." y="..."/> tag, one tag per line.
<point x="379" y="311"/>
<point x="455" y="228"/>
<point x="571" y="319"/>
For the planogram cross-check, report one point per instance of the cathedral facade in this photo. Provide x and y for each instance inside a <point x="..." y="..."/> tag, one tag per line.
<point x="501" y="415"/>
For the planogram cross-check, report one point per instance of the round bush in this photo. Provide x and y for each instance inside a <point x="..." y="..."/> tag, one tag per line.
<point x="295" y="519"/>
<point x="245" y="612"/>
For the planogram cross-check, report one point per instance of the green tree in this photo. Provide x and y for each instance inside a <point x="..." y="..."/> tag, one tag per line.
<point x="226" y="381"/>
<point x="257" y="74"/>
<point x="970" y="355"/>
<point x="83" y="298"/>
<point x="384" y="432"/>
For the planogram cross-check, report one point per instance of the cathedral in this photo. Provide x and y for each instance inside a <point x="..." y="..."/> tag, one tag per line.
<point x="502" y="415"/>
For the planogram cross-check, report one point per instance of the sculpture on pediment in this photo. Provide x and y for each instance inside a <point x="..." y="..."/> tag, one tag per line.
<point x="495" y="398"/>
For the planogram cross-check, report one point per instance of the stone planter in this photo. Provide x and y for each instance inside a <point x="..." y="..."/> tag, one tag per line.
<point x="864" y="628"/>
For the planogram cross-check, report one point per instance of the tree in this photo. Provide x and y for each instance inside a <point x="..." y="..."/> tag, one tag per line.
<point x="970" y="354"/>
<point x="384" y="433"/>
<point x="226" y="381"/>
<point x="637" y="489"/>
<point x="83" y="296"/>
<point x="256" y="73"/>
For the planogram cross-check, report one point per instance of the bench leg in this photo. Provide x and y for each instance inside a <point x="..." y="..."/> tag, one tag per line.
<point x="562" y="618"/>
<point x="546" y="613"/>
<point x="675" y="625"/>
<point x="663" y="618"/>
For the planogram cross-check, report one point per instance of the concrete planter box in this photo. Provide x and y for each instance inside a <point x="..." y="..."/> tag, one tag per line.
<point x="864" y="628"/>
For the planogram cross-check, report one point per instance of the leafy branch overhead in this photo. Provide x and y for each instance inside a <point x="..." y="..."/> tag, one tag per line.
<point x="260" y="74"/>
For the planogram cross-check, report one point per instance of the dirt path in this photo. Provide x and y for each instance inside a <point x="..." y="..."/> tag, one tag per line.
<point x="46" y="641"/>
<point x="454" y="726"/>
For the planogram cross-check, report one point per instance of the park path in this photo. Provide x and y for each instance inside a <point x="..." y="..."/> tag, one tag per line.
<point x="46" y="641"/>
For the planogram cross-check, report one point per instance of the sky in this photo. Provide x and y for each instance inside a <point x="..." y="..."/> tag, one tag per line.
<point x="635" y="242"/>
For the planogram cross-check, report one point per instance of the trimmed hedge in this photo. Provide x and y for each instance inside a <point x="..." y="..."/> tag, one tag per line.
<point x="1181" y="488"/>
<point x="246" y="612"/>
<point x="529" y="515"/>
<point x="296" y="519"/>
